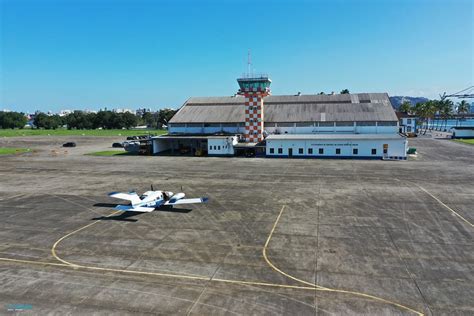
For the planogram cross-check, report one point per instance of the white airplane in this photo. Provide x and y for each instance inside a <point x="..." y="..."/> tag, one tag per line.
<point x="151" y="200"/>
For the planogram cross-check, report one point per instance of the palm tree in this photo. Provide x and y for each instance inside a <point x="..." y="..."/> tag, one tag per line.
<point x="405" y="107"/>
<point x="462" y="107"/>
<point x="446" y="111"/>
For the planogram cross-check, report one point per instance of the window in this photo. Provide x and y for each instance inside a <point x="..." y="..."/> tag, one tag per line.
<point x="344" y="123"/>
<point x="355" y="151"/>
<point x="321" y="151"/>
<point x="387" y="123"/>
<point x="326" y="124"/>
<point x="219" y="147"/>
<point x="408" y="121"/>
<point x="365" y="123"/>
<point x="272" y="150"/>
<point x="310" y="151"/>
<point x="408" y="129"/>
<point x="300" y="151"/>
<point x="338" y="151"/>
<point x="374" y="151"/>
<point x="280" y="150"/>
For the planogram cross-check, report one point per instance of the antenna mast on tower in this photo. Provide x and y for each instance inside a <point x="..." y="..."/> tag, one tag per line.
<point x="249" y="63"/>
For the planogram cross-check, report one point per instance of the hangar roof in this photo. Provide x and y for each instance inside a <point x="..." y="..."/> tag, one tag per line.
<point x="290" y="108"/>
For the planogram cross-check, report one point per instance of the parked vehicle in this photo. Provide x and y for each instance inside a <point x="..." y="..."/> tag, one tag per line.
<point x="117" y="145"/>
<point x="69" y="144"/>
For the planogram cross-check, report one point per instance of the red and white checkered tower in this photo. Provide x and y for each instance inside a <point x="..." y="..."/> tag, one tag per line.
<point x="254" y="88"/>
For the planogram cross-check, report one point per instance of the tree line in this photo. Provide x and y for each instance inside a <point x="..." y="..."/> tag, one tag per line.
<point x="442" y="110"/>
<point x="12" y="120"/>
<point x="83" y="120"/>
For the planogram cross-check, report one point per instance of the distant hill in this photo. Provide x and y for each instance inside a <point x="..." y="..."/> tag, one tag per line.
<point x="398" y="100"/>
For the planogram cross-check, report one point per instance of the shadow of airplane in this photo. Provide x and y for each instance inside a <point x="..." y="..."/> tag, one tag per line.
<point x="125" y="216"/>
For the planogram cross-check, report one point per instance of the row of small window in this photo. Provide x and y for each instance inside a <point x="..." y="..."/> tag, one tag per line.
<point x="355" y="151"/>
<point x="217" y="147"/>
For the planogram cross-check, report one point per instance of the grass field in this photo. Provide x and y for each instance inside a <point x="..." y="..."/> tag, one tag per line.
<point x="109" y="153"/>
<point x="465" y="141"/>
<point x="66" y="132"/>
<point x="12" y="151"/>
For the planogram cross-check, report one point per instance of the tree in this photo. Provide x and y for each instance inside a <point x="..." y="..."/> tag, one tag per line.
<point x="405" y="107"/>
<point x="446" y="111"/>
<point x="164" y="116"/>
<point x="12" y="120"/>
<point x="462" y="107"/>
<point x="345" y="91"/>
<point x="45" y="121"/>
<point x="129" y="120"/>
<point x="149" y="119"/>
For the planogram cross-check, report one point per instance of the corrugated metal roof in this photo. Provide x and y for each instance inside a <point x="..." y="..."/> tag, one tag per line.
<point x="290" y="108"/>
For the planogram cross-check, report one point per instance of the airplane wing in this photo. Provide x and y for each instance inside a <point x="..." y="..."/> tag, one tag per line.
<point x="188" y="201"/>
<point x="132" y="197"/>
<point x="128" y="208"/>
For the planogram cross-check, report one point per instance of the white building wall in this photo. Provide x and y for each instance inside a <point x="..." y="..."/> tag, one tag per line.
<point x="408" y="124"/>
<point x="160" y="145"/>
<point x="463" y="133"/>
<point x="221" y="146"/>
<point x="396" y="148"/>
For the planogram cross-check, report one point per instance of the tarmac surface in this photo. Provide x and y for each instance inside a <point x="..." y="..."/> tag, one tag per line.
<point x="278" y="236"/>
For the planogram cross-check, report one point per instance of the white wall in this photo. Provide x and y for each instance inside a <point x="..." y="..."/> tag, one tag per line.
<point x="463" y="133"/>
<point x="160" y="145"/>
<point x="396" y="147"/>
<point x="221" y="146"/>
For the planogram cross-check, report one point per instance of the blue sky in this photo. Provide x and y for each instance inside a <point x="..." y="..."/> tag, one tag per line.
<point x="73" y="54"/>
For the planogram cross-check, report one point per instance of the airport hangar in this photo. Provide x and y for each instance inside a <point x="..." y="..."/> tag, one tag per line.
<point x="362" y="125"/>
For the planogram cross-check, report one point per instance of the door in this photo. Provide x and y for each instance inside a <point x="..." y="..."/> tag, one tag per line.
<point x="290" y="152"/>
<point x="385" y="149"/>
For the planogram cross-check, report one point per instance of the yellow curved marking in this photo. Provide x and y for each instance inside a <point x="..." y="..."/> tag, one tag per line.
<point x="311" y="286"/>
<point x="440" y="202"/>
<point x="271" y="264"/>
<point x="53" y="249"/>
<point x="323" y="288"/>
<point x="181" y="276"/>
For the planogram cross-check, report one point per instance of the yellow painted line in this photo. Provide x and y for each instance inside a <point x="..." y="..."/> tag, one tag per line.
<point x="449" y="208"/>
<point x="264" y="251"/>
<point x="36" y="262"/>
<point x="180" y="276"/>
<point x="310" y="286"/>
<point x="322" y="288"/>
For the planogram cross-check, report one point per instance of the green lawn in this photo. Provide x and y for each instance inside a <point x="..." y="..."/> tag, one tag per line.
<point x="465" y="141"/>
<point x="12" y="151"/>
<point x="110" y="153"/>
<point x="66" y="132"/>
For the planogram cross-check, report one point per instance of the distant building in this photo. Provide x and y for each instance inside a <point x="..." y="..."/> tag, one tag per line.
<point x="123" y="111"/>
<point x="140" y="111"/>
<point x="407" y="123"/>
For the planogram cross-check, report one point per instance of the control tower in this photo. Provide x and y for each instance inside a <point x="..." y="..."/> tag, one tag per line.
<point x="254" y="88"/>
